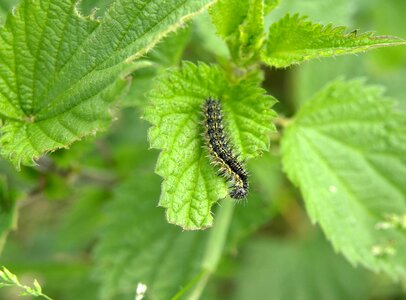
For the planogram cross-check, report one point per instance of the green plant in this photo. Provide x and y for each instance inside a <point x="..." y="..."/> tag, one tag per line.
<point x="9" y="279"/>
<point x="64" y="75"/>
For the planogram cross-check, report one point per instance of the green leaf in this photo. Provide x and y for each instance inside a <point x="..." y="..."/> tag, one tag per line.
<point x="270" y="5"/>
<point x="60" y="71"/>
<point x="80" y="222"/>
<point x="191" y="184"/>
<point x="346" y="150"/>
<point x="293" y="40"/>
<point x="9" y="279"/>
<point x="241" y="24"/>
<point x="138" y="246"/>
<point x="252" y="31"/>
<point x="297" y="270"/>
<point x="227" y="15"/>
<point x="8" y="211"/>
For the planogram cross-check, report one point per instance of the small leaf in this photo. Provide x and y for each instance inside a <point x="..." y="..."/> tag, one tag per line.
<point x="37" y="287"/>
<point x="191" y="184"/>
<point x="346" y="150"/>
<point x="60" y="71"/>
<point x="9" y="279"/>
<point x="293" y="40"/>
<point x="241" y="24"/>
<point x="252" y="31"/>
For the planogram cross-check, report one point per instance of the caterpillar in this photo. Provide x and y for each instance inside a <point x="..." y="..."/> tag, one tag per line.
<point x="221" y="152"/>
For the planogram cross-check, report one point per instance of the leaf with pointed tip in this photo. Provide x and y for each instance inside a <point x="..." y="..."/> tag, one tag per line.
<point x="59" y="71"/>
<point x="346" y="151"/>
<point x="191" y="184"/>
<point x="294" y="39"/>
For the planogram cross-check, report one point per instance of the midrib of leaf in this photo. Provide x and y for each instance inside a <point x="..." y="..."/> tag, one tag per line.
<point x="360" y="157"/>
<point x="337" y="49"/>
<point x="36" y="60"/>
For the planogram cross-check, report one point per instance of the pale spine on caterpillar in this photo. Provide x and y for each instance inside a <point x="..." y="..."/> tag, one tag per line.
<point x="221" y="152"/>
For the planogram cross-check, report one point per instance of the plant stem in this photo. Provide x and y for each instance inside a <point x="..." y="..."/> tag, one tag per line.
<point x="214" y="247"/>
<point x="282" y="121"/>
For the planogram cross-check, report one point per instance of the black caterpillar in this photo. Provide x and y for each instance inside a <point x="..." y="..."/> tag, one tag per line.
<point x="220" y="150"/>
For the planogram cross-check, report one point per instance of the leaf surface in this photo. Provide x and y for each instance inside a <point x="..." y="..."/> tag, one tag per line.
<point x="191" y="184"/>
<point x="346" y="150"/>
<point x="138" y="246"/>
<point x="296" y="269"/>
<point x="60" y="71"/>
<point x="294" y="39"/>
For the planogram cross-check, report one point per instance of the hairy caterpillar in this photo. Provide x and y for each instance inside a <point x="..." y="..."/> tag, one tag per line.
<point x="221" y="152"/>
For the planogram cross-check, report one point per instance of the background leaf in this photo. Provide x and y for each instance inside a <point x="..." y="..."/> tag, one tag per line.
<point x="8" y="211"/>
<point x="137" y="245"/>
<point x="191" y="184"/>
<point x="345" y="150"/>
<point x="293" y="40"/>
<point x="296" y="269"/>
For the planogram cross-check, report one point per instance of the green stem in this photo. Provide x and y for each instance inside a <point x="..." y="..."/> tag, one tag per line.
<point x="214" y="247"/>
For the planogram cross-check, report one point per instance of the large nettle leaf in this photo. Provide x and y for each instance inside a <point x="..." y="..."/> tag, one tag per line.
<point x="59" y="71"/>
<point x="346" y="151"/>
<point x="294" y="39"/>
<point x="191" y="184"/>
<point x="8" y="212"/>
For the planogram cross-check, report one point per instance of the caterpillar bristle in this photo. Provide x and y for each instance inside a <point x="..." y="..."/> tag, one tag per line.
<point x="221" y="150"/>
